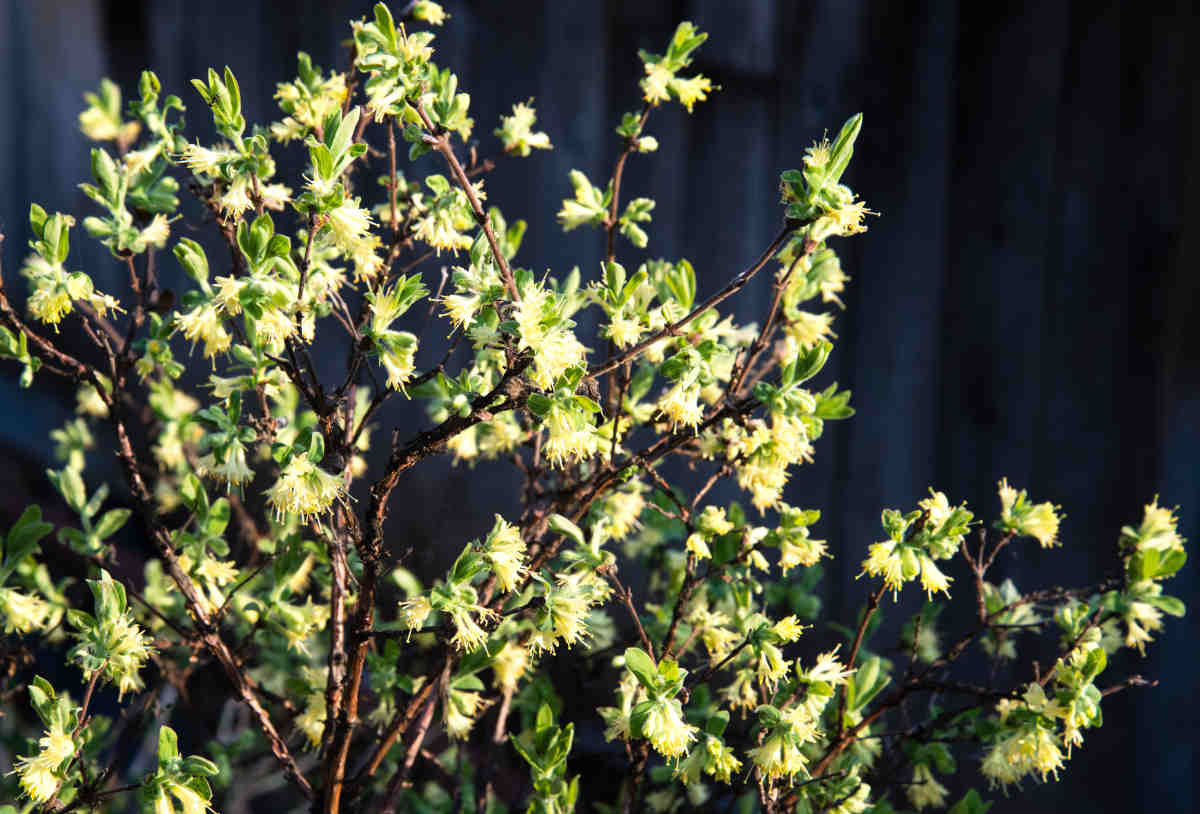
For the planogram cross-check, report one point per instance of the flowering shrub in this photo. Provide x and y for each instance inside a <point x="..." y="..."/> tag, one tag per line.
<point x="357" y="687"/>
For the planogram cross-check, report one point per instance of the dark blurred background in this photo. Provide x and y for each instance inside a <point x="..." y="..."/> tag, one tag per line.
<point x="1026" y="305"/>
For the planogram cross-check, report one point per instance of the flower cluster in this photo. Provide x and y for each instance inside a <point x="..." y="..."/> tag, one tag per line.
<point x="935" y="531"/>
<point x="1019" y="516"/>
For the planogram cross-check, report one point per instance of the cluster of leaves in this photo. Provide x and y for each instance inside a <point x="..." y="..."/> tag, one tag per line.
<point x="272" y="547"/>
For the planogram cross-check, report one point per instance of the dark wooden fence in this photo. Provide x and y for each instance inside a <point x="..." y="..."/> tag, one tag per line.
<point x="1026" y="304"/>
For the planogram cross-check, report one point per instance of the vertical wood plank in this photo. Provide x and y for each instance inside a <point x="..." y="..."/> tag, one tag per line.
<point x="1164" y="289"/>
<point x="1001" y="194"/>
<point x="820" y="57"/>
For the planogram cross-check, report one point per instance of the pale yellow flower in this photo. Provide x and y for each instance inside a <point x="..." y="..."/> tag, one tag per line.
<point x="696" y="544"/>
<point x="459" y="710"/>
<point x="807" y="329"/>
<point x="39" y="774"/>
<point x="778" y="758"/>
<point x="350" y="225"/>
<point x="690" y="91"/>
<point x="203" y="324"/>
<point x="669" y="734"/>
<point x="461" y="308"/>
<point x="829" y="669"/>
<point x="509" y="665"/>
<point x="22" y="612"/>
<point x="932" y="579"/>
<point x="1042" y="524"/>
<point x="681" y="405"/>
<point x="304" y="489"/>
<point x="925" y="790"/>
<point x="505" y="552"/>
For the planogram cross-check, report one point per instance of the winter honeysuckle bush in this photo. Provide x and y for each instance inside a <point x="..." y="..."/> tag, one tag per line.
<point x="276" y="576"/>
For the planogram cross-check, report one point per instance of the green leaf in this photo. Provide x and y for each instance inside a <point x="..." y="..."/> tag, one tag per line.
<point x="24" y="535"/>
<point x="1170" y="563"/>
<point x="717" y="723"/>
<point x="1169" y="604"/>
<point x="1095" y="663"/>
<point x="641" y="665"/>
<point x="198" y="766"/>
<point x="316" y="448"/>
<point x="614" y="277"/>
<point x="866" y="683"/>
<point x="111" y="522"/>
<point x="530" y="758"/>
<point x="41" y="694"/>
<point x="637" y="718"/>
<point x="345" y="133"/>
<point x="466" y="566"/>
<point x="725" y="548"/>
<point x="634" y="234"/>
<point x="191" y="256"/>
<point x="37" y="220"/>
<point x="971" y="803"/>
<point x="80" y="620"/>
<point x="217" y="519"/>
<point x="843" y="148"/>
<point x="235" y="95"/>
<point x="193" y="493"/>
<point x="561" y="525"/>
<point x="104" y="170"/>
<point x="809" y="362"/>
<point x="70" y="485"/>
<point x="768" y="716"/>
<point x="109" y="596"/>
<point x="168" y="746"/>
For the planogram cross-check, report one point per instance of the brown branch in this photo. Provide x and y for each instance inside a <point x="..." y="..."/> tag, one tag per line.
<point x="1132" y="681"/>
<point x="610" y="223"/>
<point x="400" y="779"/>
<point x="760" y="342"/>
<point x="731" y="288"/>
<point x="690" y="582"/>
<point x="52" y="803"/>
<point x="304" y="265"/>
<point x="334" y="682"/>
<point x="706" y="673"/>
<point x="395" y="224"/>
<point x="872" y="604"/>
<point x="921" y="681"/>
<point x="626" y="596"/>
<point x="440" y="141"/>
<point x="637" y="778"/>
<point x="246" y="688"/>
<point x="398" y="727"/>
<point x="370" y="548"/>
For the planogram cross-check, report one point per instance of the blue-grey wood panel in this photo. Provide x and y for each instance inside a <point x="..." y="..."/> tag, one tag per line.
<point x="1025" y="305"/>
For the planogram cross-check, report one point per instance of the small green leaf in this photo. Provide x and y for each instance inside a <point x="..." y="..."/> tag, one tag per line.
<point x="641" y="665"/>
<point x="316" y="448"/>
<point x="70" y="485"/>
<point x="768" y="716"/>
<point x="168" y="746"/>
<point x="717" y="723"/>
<point x="561" y="525"/>
<point x="1169" y="604"/>
<point x="843" y="148"/>
<point x="111" y="522"/>
<point x="198" y="766"/>
<point x="217" y="519"/>
<point x="637" y="718"/>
